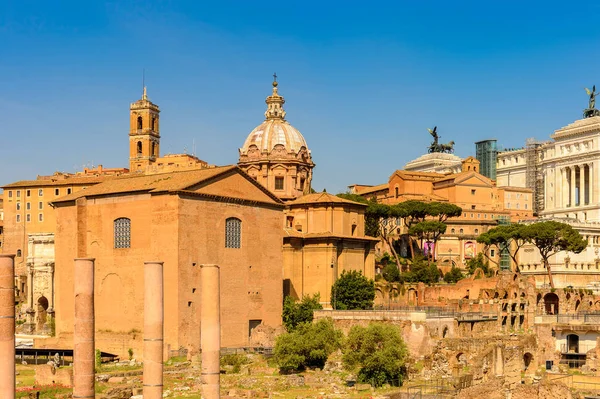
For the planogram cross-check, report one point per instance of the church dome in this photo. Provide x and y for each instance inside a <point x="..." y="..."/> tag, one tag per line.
<point x="271" y="133"/>
<point x="275" y="132"/>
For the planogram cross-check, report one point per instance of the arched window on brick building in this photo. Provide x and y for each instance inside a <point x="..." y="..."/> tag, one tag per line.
<point x="122" y="233"/>
<point x="233" y="233"/>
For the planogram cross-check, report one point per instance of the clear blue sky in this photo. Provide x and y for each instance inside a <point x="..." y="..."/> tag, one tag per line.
<point x="363" y="80"/>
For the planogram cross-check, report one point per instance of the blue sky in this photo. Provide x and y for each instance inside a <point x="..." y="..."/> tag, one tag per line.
<point x="362" y="80"/>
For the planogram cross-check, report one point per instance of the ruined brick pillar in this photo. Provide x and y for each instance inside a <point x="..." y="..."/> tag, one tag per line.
<point x="153" y="330"/>
<point x="7" y="326"/>
<point x="210" y="330"/>
<point x="83" y="332"/>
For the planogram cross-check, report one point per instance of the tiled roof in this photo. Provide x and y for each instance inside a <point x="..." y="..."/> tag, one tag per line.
<point x="422" y="197"/>
<point x="164" y="182"/>
<point x="326" y="234"/>
<point x="69" y="181"/>
<point x="418" y="175"/>
<point x="323" y="198"/>
<point x="373" y="189"/>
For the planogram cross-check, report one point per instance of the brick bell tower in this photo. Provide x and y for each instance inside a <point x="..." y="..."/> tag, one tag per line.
<point x="144" y="134"/>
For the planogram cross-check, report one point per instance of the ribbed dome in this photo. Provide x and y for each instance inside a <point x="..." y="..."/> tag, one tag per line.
<point x="274" y="132"/>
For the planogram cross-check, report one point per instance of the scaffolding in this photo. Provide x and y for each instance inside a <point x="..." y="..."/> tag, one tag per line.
<point x="534" y="178"/>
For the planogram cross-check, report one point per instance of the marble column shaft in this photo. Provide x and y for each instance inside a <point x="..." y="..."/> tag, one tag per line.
<point x="7" y="326"/>
<point x="153" y="330"/>
<point x="582" y="186"/>
<point x="573" y="185"/>
<point x="210" y="330"/>
<point x="592" y="185"/>
<point x="83" y="333"/>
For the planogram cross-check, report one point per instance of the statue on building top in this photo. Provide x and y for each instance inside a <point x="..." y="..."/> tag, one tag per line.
<point x="436" y="147"/>
<point x="591" y="110"/>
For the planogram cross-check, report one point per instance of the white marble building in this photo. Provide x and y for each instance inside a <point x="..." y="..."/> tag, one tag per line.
<point x="569" y="167"/>
<point x="437" y="162"/>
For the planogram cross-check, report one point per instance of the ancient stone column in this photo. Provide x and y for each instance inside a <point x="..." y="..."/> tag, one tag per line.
<point x="592" y="184"/>
<point x="582" y="185"/>
<point x="7" y="326"/>
<point x="153" y="330"/>
<point x="573" y="185"/>
<point x="83" y="333"/>
<point x="210" y="330"/>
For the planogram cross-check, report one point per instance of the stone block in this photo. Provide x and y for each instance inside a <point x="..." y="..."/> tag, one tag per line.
<point x="48" y="375"/>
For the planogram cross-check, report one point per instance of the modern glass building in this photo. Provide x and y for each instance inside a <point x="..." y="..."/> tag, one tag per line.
<point x="486" y="152"/>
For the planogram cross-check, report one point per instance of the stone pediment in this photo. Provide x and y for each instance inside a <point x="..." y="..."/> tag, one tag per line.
<point x="581" y="126"/>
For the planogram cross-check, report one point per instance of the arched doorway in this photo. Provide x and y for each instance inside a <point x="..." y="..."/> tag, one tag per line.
<point x="573" y="343"/>
<point x="527" y="359"/>
<point x="41" y="313"/>
<point x="413" y="297"/>
<point x="445" y="332"/>
<point x="551" y="303"/>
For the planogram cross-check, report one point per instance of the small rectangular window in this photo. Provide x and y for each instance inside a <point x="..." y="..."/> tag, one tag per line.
<point x="28" y="218"/>
<point x="18" y="218"/>
<point x="278" y="183"/>
<point x="28" y="206"/>
<point x="41" y="217"/>
<point x="289" y="222"/>
<point x="57" y="191"/>
<point x="41" y="192"/>
<point x="28" y="193"/>
<point x="40" y="205"/>
<point x="68" y="191"/>
<point x="472" y="192"/>
<point x="472" y="206"/>
<point x="18" y="193"/>
<point x="10" y="194"/>
<point x="18" y="205"/>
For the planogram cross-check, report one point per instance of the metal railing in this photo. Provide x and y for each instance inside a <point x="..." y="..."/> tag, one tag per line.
<point x="584" y="318"/>
<point x="405" y="311"/>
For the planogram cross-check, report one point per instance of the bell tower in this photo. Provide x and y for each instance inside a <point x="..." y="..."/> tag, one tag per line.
<point x="144" y="134"/>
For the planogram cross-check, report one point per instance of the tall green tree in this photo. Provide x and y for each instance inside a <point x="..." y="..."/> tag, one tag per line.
<point x="429" y="230"/>
<point x="510" y="238"/>
<point x="551" y="237"/>
<point x="353" y="291"/>
<point x="295" y="313"/>
<point x="378" y="352"/>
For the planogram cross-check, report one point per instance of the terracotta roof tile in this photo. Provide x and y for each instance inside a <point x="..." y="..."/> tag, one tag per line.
<point x="69" y="181"/>
<point x="326" y="234"/>
<point x="322" y="198"/>
<point x="373" y="189"/>
<point x="172" y="181"/>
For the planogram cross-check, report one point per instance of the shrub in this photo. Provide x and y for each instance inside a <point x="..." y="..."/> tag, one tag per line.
<point x="353" y="291"/>
<point x="479" y="262"/>
<point x="453" y="275"/>
<point x="235" y="360"/>
<point x="378" y="351"/>
<point x="421" y="271"/>
<point x="308" y="346"/>
<point x="295" y="313"/>
<point x="390" y="273"/>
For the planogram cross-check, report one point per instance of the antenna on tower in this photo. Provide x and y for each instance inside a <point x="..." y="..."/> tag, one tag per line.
<point x="194" y="147"/>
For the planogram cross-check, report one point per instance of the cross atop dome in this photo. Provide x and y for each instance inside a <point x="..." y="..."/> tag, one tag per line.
<point x="275" y="103"/>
